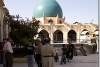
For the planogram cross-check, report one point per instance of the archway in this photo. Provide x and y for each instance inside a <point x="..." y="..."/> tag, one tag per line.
<point x="71" y="36"/>
<point x="84" y="32"/>
<point x="84" y="36"/>
<point x="58" y="36"/>
<point x="43" y="34"/>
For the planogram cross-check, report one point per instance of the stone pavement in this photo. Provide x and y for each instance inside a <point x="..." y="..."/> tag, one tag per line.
<point x="78" y="61"/>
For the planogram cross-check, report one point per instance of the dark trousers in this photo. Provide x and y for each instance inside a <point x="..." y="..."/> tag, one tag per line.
<point x="38" y="60"/>
<point x="63" y="59"/>
<point x="8" y="60"/>
<point x="30" y="60"/>
<point x="56" y="58"/>
<point x="69" y="55"/>
<point x="1" y="58"/>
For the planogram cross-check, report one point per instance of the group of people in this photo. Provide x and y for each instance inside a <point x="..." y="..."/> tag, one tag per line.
<point x="43" y="53"/>
<point x="67" y="53"/>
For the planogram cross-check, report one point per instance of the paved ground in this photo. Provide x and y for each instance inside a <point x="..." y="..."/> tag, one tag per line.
<point x="78" y="61"/>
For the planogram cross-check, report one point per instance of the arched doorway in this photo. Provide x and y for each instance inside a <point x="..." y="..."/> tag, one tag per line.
<point x="71" y="36"/>
<point x="84" y="36"/>
<point x="43" y="34"/>
<point x="58" y="37"/>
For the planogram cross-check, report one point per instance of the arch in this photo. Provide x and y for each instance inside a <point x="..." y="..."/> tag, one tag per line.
<point x="84" y="36"/>
<point x="84" y="32"/>
<point x="43" y="34"/>
<point x="58" y="36"/>
<point x="71" y="36"/>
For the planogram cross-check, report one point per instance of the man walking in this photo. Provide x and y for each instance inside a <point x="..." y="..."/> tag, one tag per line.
<point x="64" y="51"/>
<point x="70" y="51"/>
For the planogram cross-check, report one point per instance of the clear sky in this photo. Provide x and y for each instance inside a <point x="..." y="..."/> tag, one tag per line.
<point x="84" y="11"/>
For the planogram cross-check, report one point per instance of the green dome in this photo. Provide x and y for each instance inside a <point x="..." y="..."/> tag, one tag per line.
<point x="47" y="8"/>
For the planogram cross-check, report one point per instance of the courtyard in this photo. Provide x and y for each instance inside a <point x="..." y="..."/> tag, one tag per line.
<point x="91" y="60"/>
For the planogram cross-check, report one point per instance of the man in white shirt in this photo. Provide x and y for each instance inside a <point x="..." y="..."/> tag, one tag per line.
<point x="8" y="51"/>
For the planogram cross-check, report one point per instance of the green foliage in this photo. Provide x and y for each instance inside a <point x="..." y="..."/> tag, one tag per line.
<point x="23" y="34"/>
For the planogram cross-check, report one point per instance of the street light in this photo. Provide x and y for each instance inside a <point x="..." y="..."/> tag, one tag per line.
<point x="51" y="27"/>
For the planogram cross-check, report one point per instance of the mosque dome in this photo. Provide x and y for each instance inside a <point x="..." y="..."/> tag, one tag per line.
<point x="47" y="8"/>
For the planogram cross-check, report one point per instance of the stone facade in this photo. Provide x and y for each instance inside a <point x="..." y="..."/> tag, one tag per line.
<point x="52" y="25"/>
<point x="1" y="3"/>
<point x="61" y="32"/>
<point x="3" y="24"/>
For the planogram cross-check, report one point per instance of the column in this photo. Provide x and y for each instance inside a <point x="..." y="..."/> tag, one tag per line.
<point x="78" y="37"/>
<point x="97" y="43"/>
<point x="7" y="30"/>
<point x="1" y="24"/>
<point x="65" y="37"/>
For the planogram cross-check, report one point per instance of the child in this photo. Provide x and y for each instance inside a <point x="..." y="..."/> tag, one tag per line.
<point x="56" y="56"/>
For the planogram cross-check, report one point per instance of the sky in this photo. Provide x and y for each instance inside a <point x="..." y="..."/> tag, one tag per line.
<point x="83" y="11"/>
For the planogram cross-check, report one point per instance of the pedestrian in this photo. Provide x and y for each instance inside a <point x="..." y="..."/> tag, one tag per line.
<point x="30" y="50"/>
<point x="8" y="53"/>
<point x="1" y="52"/>
<point x="38" y="52"/>
<point x="70" y="51"/>
<point x="83" y="50"/>
<point x="47" y="53"/>
<point x="56" y="57"/>
<point x="63" y="58"/>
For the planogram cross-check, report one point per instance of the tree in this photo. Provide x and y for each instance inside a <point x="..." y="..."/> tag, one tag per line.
<point x="22" y="32"/>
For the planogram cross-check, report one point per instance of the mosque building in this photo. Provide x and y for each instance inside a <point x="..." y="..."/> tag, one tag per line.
<point x="53" y="25"/>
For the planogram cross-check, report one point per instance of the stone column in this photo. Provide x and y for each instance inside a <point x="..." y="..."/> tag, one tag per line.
<point x="51" y="30"/>
<point x="51" y="36"/>
<point x="78" y="37"/>
<point x="97" y="43"/>
<point x="7" y="30"/>
<point x="1" y="24"/>
<point x="65" y="37"/>
<point x="1" y="3"/>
